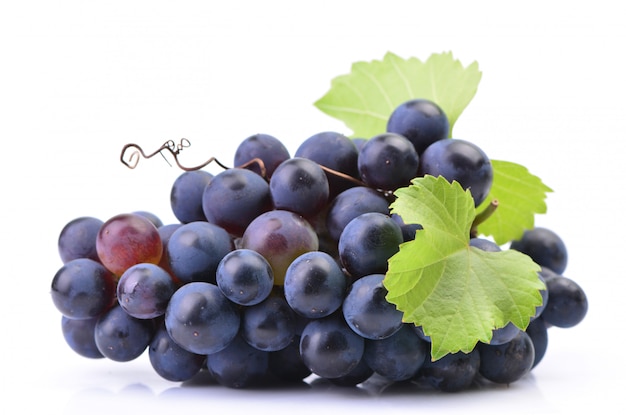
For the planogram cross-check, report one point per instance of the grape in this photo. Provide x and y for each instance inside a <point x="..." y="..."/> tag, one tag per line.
<point x="567" y="303"/>
<point x="335" y="151"/>
<point x="366" y="310"/>
<point x="329" y="348"/>
<point x="315" y="285"/>
<point x="78" y="239"/>
<point x="300" y="186"/>
<point x="234" y="198"/>
<point x="408" y="229"/>
<point x="544" y="246"/>
<point x="186" y="195"/>
<point x="169" y="360"/>
<point x="367" y="242"/>
<point x="452" y="373"/>
<point x="238" y="365"/>
<point x="144" y="290"/>
<point x="245" y="277"/>
<point x="358" y="375"/>
<point x="538" y="333"/>
<point x="349" y="204"/>
<point x="156" y="221"/>
<point x="200" y="319"/>
<point x="128" y="239"/>
<point x="79" y="335"/>
<point x="165" y="232"/>
<point x="280" y="236"/>
<point x="269" y="325"/>
<point x="286" y="364"/>
<point x="397" y="357"/>
<point x="508" y="362"/>
<point x="265" y="147"/>
<point x="504" y="334"/>
<point x="421" y="121"/>
<point x="121" y="337"/>
<point x="195" y="250"/>
<point x="485" y="245"/>
<point x="461" y="161"/>
<point x="83" y="289"/>
<point x="388" y="161"/>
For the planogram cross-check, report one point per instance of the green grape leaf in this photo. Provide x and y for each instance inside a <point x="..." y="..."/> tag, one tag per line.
<point x="365" y="98"/>
<point x="457" y="293"/>
<point x="520" y="196"/>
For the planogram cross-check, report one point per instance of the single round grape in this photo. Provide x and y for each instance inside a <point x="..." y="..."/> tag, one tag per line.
<point x="567" y="302"/>
<point x="200" y="319"/>
<point x="238" y="365"/>
<point x="315" y="285"/>
<point x="388" y="161"/>
<point x="538" y="333"/>
<point x="83" y="289"/>
<point x="544" y="246"/>
<point x="166" y="232"/>
<point x="245" y="277"/>
<point x="421" y="121"/>
<point x="269" y="325"/>
<point x="169" y="360"/>
<point x="367" y="311"/>
<point x="121" y="337"/>
<point x="329" y="348"/>
<point x="485" y="244"/>
<point x="367" y="242"/>
<point x="504" y="334"/>
<point x="280" y="236"/>
<point x="79" y="335"/>
<point x="152" y="217"/>
<point x="461" y="161"/>
<point x="454" y="372"/>
<point x="128" y="239"/>
<point x="300" y="186"/>
<point x="234" y="197"/>
<point x="397" y="357"/>
<point x="195" y="250"/>
<point x="269" y="149"/>
<point x="144" y="290"/>
<point x="335" y="151"/>
<point x="508" y="362"/>
<point x="78" y="239"/>
<point x="349" y="204"/>
<point x="186" y="195"/>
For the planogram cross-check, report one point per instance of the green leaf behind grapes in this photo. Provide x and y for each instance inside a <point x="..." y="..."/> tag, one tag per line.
<point x="457" y="293"/>
<point x="365" y="98"/>
<point x="520" y="196"/>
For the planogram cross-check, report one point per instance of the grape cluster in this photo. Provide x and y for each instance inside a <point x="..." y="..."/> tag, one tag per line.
<point x="274" y="270"/>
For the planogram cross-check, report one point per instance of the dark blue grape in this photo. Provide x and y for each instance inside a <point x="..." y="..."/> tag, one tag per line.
<point x="144" y="290"/>
<point x="538" y="333"/>
<point x="408" y="229"/>
<point x="286" y="364"/>
<point x="544" y="247"/>
<point x="238" y="365"/>
<point x="152" y="217"/>
<point x="485" y="245"/>
<point x="329" y="348"/>
<point x="186" y="195"/>
<point x="245" y="277"/>
<point x="234" y="198"/>
<point x="270" y="150"/>
<point x="79" y="335"/>
<point x="397" y="357"/>
<point x="421" y="121"/>
<point x="567" y="303"/>
<point x="195" y="250"/>
<point x="367" y="242"/>
<point x="461" y="161"/>
<point x="388" y="161"/>
<point x="78" y="239"/>
<point x="170" y="361"/>
<point x="504" y="334"/>
<point x="121" y="337"/>
<point x="335" y="151"/>
<point x="315" y="285"/>
<point x="454" y="372"/>
<point x="83" y="289"/>
<point x="508" y="362"/>
<point x="349" y="204"/>
<point x="201" y="319"/>
<point x="269" y="325"/>
<point x="358" y="375"/>
<point x="366" y="310"/>
<point x="299" y="185"/>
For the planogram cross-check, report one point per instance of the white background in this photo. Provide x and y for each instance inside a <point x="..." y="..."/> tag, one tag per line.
<point x="80" y="79"/>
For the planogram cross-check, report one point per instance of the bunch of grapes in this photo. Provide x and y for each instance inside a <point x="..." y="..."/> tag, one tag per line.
<point x="274" y="271"/>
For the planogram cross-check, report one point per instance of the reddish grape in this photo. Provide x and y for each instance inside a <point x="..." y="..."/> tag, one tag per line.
<point x="128" y="239"/>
